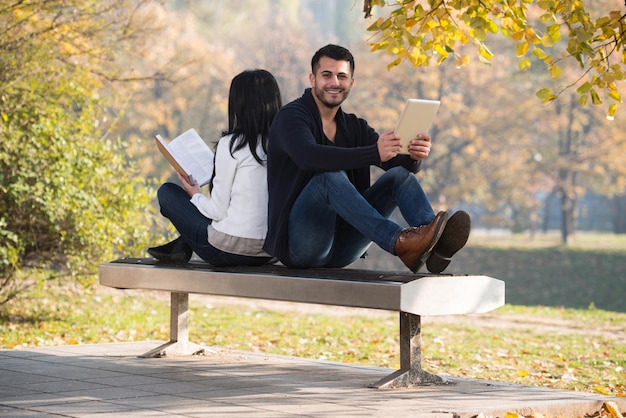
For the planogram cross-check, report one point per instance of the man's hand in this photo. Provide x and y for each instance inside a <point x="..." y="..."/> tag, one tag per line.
<point x="191" y="189"/>
<point x="388" y="146"/>
<point x="420" y="147"/>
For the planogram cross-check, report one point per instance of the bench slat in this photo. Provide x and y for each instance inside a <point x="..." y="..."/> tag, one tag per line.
<point x="423" y="295"/>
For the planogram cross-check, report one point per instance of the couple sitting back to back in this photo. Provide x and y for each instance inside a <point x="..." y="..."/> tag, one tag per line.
<point x="293" y="183"/>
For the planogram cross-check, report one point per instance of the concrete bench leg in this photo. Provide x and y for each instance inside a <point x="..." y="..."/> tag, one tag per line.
<point x="179" y="344"/>
<point x="410" y="373"/>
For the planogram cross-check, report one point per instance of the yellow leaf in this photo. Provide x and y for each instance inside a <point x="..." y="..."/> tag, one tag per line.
<point x="485" y="52"/>
<point x="611" y="113"/>
<point x="601" y="389"/>
<point x="611" y="408"/>
<point x="440" y="50"/>
<point x="522" y="373"/>
<point x="512" y="415"/>
<point x="524" y="63"/>
<point x="531" y="36"/>
<point x="522" y="49"/>
<point x="462" y="60"/>
<point x="539" y="53"/>
<point x="614" y="94"/>
<point x="555" y="71"/>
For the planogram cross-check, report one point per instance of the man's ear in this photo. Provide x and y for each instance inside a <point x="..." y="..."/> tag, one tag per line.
<point x="311" y="79"/>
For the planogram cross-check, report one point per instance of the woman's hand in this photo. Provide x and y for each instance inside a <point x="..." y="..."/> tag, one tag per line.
<point x="191" y="189"/>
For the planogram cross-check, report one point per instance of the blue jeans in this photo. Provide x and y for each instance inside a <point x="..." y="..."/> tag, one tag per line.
<point x="192" y="226"/>
<point x="331" y="224"/>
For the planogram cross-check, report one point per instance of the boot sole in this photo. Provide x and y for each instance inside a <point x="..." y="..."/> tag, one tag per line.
<point x="453" y="238"/>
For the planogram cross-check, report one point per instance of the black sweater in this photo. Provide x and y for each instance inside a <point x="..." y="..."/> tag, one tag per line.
<point x="298" y="149"/>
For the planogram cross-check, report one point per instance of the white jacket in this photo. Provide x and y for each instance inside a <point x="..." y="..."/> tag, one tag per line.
<point x="238" y="202"/>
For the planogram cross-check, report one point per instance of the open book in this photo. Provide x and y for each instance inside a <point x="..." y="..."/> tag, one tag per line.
<point x="189" y="155"/>
<point x="416" y="118"/>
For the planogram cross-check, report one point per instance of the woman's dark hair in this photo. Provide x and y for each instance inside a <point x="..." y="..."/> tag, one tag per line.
<point x="253" y="101"/>
<point x="336" y="52"/>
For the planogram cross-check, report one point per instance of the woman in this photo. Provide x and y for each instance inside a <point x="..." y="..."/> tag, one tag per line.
<point x="228" y="228"/>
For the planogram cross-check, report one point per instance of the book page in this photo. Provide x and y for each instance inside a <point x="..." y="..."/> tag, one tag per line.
<point x="416" y="118"/>
<point x="192" y="155"/>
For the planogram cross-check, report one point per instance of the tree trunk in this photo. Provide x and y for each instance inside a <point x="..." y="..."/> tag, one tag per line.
<point x="619" y="214"/>
<point x="568" y="205"/>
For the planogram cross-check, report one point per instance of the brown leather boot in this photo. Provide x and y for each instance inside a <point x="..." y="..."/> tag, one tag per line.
<point x="415" y="244"/>
<point x="453" y="238"/>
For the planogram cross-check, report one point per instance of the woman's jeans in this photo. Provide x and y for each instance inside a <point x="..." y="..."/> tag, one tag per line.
<point x="192" y="226"/>
<point x="331" y="224"/>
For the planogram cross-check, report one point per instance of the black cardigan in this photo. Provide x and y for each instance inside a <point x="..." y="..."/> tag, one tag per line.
<point x="297" y="149"/>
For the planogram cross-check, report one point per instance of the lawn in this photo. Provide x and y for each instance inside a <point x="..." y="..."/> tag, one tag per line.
<point x="564" y="325"/>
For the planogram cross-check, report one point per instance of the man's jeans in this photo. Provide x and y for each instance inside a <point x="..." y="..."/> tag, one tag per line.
<point x="331" y="224"/>
<point x="192" y="226"/>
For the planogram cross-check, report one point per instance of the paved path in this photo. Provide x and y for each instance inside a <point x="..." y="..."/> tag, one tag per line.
<point x="109" y="380"/>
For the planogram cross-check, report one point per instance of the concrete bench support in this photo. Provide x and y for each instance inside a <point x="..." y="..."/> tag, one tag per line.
<point x="411" y="295"/>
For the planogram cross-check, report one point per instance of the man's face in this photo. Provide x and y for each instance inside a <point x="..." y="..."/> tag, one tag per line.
<point x="332" y="82"/>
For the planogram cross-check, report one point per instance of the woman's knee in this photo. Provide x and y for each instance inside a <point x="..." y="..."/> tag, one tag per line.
<point x="167" y="190"/>
<point x="168" y="195"/>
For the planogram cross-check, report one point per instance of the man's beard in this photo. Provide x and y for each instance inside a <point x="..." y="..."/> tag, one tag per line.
<point x="321" y="97"/>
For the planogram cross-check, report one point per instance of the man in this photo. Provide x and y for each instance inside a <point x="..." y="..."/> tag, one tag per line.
<point x="322" y="210"/>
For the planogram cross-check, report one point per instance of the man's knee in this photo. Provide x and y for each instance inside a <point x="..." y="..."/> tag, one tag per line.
<point x="400" y="172"/>
<point x="332" y="176"/>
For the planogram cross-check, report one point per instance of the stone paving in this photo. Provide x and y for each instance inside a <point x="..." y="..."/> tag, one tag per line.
<point x="110" y="380"/>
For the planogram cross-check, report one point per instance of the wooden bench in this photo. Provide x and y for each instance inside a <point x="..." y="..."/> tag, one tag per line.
<point x="412" y="295"/>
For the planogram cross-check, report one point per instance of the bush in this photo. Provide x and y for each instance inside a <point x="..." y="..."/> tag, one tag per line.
<point x="69" y="198"/>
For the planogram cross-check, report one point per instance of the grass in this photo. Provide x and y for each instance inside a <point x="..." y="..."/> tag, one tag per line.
<point x="532" y="343"/>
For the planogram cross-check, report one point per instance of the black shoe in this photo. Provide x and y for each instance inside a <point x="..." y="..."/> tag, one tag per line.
<point x="453" y="238"/>
<point x="177" y="251"/>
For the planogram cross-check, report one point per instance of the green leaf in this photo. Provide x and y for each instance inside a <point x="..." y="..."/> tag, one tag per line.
<point x="584" y="88"/>
<point x="544" y="93"/>
<point x="595" y="98"/>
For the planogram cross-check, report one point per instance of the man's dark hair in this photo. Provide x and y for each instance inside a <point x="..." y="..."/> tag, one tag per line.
<point x="335" y="52"/>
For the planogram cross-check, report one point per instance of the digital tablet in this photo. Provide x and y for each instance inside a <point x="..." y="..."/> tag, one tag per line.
<point x="417" y="117"/>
